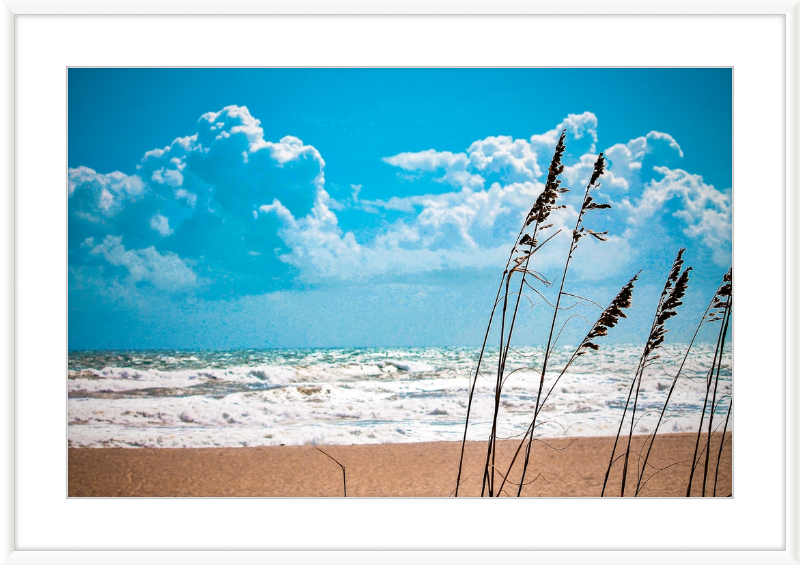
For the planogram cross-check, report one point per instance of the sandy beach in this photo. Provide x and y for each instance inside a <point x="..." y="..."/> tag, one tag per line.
<point x="562" y="467"/>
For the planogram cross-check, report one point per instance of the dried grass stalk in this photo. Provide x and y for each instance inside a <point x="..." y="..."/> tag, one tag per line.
<point x="674" y="289"/>
<point x="607" y="320"/>
<point x="720" y="311"/>
<point x="711" y="314"/>
<point x="524" y="247"/>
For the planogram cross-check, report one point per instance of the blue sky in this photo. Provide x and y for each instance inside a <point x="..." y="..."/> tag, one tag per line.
<point x="374" y="207"/>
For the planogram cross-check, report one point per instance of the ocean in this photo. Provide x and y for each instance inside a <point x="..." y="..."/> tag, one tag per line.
<point x="255" y="397"/>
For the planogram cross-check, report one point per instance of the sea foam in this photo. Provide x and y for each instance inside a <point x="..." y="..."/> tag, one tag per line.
<point x="347" y="396"/>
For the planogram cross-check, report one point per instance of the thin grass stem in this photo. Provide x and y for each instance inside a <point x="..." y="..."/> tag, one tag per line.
<point x="714" y="396"/>
<point x="721" y="446"/>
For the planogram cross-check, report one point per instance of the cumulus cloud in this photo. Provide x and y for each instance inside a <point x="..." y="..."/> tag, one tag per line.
<point x="317" y="243"/>
<point x="171" y="177"/>
<point x="100" y="196"/>
<point x="229" y="164"/>
<point x="454" y="230"/>
<point x="472" y="226"/>
<point x="166" y="271"/>
<point x="503" y="158"/>
<point x="161" y="225"/>
<point x="705" y="210"/>
<point x="625" y="159"/>
<point x="513" y="159"/>
<point x="451" y="166"/>
<point x="192" y="198"/>
<point x="581" y="135"/>
<point x="228" y="206"/>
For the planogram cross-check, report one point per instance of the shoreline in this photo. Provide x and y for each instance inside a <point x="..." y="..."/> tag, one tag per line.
<point x="561" y="467"/>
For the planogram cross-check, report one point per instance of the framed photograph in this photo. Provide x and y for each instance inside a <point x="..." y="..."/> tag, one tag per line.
<point x="281" y="240"/>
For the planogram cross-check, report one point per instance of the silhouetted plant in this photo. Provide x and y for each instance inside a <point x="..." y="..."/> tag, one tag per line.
<point x="674" y="289"/>
<point x="711" y="314"/>
<point x="607" y="320"/>
<point x="524" y="247"/>
<point x="721" y="311"/>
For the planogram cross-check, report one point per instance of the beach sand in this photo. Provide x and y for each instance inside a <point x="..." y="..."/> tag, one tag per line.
<point x="564" y="467"/>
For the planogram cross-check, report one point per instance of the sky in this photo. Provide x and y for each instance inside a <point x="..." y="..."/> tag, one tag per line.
<point x="227" y="208"/>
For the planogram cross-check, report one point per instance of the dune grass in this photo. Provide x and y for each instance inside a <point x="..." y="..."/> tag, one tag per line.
<point x="520" y="278"/>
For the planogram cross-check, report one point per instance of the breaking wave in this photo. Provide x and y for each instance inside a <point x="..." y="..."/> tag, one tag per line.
<point x="347" y="396"/>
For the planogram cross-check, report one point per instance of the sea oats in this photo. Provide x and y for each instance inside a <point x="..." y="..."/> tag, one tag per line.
<point x="674" y="289"/>
<point x="608" y="319"/>
<point x="525" y="245"/>
<point x="610" y="316"/>
<point x="714" y="312"/>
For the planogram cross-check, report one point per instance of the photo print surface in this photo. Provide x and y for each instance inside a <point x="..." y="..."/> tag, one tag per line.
<point x="400" y="282"/>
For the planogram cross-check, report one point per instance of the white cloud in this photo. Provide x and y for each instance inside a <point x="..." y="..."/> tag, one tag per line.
<point x="429" y="160"/>
<point x="462" y="229"/>
<point x="512" y="158"/>
<point x="233" y="120"/>
<point x="705" y="210"/>
<point x="242" y="121"/>
<point x="190" y="197"/>
<point x="474" y="226"/>
<point x="452" y="165"/>
<point x="666" y="138"/>
<point x="171" y="177"/>
<point x="201" y="192"/>
<point x="229" y="173"/>
<point x="317" y="243"/>
<point x="165" y="271"/>
<point x="626" y="158"/>
<point x="579" y="127"/>
<point x="394" y="203"/>
<point x="228" y="162"/>
<point x="101" y="195"/>
<point x="161" y="225"/>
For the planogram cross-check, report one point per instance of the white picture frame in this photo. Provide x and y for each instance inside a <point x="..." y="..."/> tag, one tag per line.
<point x="10" y="255"/>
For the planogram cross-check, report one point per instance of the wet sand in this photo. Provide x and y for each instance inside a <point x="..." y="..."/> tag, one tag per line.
<point x="561" y="467"/>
